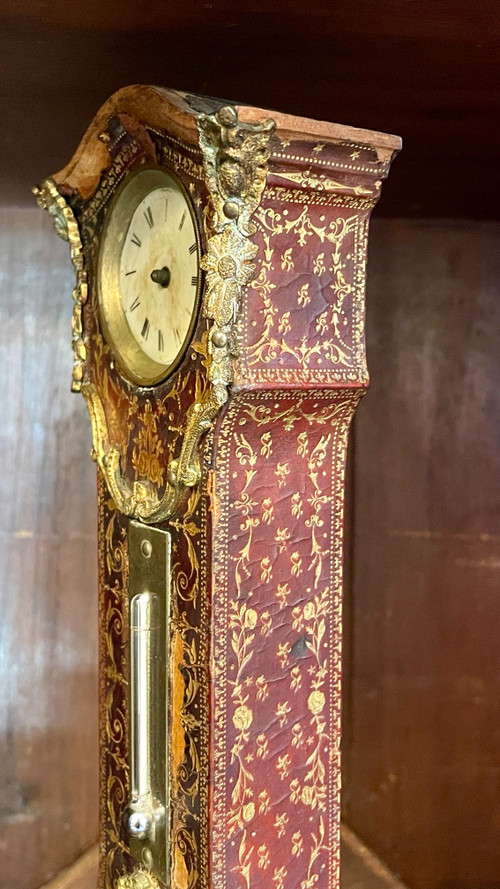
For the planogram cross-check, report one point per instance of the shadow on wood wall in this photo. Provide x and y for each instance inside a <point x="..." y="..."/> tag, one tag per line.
<point x="422" y="685"/>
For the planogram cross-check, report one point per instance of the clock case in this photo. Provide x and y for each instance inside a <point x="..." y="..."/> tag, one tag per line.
<point x="240" y="455"/>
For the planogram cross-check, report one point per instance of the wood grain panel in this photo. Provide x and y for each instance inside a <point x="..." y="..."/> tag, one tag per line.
<point x="423" y="743"/>
<point x="48" y="634"/>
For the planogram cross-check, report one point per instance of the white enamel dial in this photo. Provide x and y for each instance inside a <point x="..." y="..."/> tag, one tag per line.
<point x="159" y="273"/>
<point x="149" y="282"/>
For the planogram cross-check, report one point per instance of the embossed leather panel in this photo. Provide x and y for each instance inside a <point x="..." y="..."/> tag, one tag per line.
<point x="277" y="639"/>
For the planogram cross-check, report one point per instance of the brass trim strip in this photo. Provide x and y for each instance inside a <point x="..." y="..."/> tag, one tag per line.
<point x="147" y="819"/>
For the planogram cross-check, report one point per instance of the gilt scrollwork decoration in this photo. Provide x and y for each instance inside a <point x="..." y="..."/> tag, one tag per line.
<point x="235" y="160"/>
<point x="49" y="198"/>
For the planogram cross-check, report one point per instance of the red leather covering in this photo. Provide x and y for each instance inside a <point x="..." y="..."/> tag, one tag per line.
<point x="276" y="639"/>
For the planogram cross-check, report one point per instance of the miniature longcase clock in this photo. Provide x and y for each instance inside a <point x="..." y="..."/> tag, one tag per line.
<point x="218" y="336"/>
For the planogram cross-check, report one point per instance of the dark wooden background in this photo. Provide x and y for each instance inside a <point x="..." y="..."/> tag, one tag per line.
<point x="422" y="666"/>
<point x="48" y="576"/>
<point x="422" y="690"/>
<point x="427" y="70"/>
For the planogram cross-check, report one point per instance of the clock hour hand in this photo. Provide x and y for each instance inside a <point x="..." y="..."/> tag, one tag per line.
<point x="161" y="276"/>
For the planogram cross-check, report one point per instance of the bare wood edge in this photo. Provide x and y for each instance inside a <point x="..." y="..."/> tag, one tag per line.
<point x="374" y="866"/>
<point x="309" y="130"/>
<point x="80" y="875"/>
<point x="168" y="109"/>
<point x="165" y="109"/>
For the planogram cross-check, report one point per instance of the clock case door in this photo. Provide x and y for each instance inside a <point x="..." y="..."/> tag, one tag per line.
<point x="256" y="543"/>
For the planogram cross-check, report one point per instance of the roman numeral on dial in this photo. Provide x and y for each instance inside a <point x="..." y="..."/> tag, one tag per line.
<point x="194" y="280"/>
<point x="135" y="240"/>
<point x="149" y="217"/>
<point x="145" y="329"/>
<point x="160" y="341"/>
<point x="192" y="248"/>
<point x="136" y="303"/>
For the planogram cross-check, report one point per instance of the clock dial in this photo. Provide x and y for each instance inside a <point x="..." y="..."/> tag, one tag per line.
<point x="159" y="273"/>
<point x="149" y="274"/>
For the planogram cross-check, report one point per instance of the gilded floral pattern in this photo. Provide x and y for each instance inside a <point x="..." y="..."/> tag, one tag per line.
<point x="276" y="627"/>
<point x="148" y="448"/>
<point x="304" y="314"/>
<point x="189" y="694"/>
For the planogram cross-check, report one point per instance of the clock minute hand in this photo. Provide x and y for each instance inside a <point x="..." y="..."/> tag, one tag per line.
<point x="161" y="276"/>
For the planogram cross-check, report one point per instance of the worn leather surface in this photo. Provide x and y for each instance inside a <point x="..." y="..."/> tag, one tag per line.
<point x="276" y="637"/>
